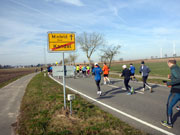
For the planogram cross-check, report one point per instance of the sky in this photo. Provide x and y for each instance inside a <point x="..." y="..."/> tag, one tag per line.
<point x="141" y="27"/>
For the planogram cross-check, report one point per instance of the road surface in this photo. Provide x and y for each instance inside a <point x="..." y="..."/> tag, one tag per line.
<point x="10" y="99"/>
<point x="142" y="110"/>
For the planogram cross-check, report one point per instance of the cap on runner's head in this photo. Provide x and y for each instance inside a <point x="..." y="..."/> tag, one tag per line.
<point x="124" y="66"/>
<point x="142" y="62"/>
<point x="95" y="64"/>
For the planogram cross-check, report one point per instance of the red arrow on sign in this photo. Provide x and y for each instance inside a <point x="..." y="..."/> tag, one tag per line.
<point x="53" y="49"/>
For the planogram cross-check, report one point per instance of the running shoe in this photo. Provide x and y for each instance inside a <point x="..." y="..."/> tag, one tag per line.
<point x="129" y="93"/>
<point x="151" y="89"/>
<point x="132" y="90"/>
<point x="178" y="108"/>
<point x="98" y="92"/>
<point x="166" y="124"/>
<point x="104" y="82"/>
<point x="142" y="89"/>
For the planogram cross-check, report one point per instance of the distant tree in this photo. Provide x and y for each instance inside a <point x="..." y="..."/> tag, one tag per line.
<point x="165" y="56"/>
<point x="66" y="60"/>
<point x="90" y="42"/>
<point x="38" y="65"/>
<point x="72" y="58"/>
<point x="109" y="53"/>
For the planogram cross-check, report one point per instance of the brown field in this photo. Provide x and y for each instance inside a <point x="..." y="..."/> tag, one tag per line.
<point x="11" y="74"/>
<point x="146" y="60"/>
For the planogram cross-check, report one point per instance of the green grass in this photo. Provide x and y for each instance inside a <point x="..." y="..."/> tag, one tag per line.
<point x="42" y="113"/>
<point x="157" y="68"/>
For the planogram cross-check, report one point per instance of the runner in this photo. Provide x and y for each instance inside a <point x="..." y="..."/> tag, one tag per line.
<point x="88" y="69"/>
<point x="97" y="71"/>
<point x="132" y="69"/>
<point x="127" y="73"/>
<point x="144" y="71"/>
<point x="106" y="72"/>
<point x="174" y="95"/>
<point x="80" y="70"/>
<point x="77" y="70"/>
<point x="92" y="67"/>
<point x="84" y="71"/>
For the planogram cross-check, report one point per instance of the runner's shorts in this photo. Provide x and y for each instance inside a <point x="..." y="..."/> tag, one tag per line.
<point x="105" y="75"/>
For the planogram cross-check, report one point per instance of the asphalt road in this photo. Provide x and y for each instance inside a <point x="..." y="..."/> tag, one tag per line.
<point x="142" y="110"/>
<point x="10" y="99"/>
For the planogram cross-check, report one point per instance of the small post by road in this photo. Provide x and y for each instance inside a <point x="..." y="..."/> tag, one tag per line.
<point x="70" y="98"/>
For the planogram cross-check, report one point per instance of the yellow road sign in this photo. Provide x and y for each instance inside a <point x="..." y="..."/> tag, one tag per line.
<point x="61" y="42"/>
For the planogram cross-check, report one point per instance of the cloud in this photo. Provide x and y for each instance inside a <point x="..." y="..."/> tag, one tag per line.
<point x="73" y="2"/>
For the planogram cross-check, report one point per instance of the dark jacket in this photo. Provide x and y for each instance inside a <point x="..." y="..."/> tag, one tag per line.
<point x="126" y="73"/>
<point x="144" y="70"/>
<point x="175" y="79"/>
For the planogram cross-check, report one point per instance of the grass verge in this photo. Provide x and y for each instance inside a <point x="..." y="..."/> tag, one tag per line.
<point x="42" y="113"/>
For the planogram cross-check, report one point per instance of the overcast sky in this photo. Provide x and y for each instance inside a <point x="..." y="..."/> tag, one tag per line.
<point x="141" y="27"/>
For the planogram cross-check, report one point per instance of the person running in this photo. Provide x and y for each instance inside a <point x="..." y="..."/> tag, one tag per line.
<point x="80" y="70"/>
<point x="174" y="95"/>
<point x="88" y="69"/>
<point x="106" y="72"/>
<point x="127" y="73"/>
<point x="84" y="71"/>
<point x="144" y="71"/>
<point x="77" y="70"/>
<point x="132" y="69"/>
<point x="92" y="67"/>
<point x="97" y="71"/>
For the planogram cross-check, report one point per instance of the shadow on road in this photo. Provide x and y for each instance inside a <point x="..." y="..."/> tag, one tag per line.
<point x="111" y="93"/>
<point x="176" y="116"/>
<point x="155" y="86"/>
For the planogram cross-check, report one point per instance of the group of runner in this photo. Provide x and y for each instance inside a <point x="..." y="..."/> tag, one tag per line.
<point x="82" y="70"/>
<point x="128" y="73"/>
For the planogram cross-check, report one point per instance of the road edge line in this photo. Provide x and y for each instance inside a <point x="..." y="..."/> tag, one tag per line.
<point x="116" y="110"/>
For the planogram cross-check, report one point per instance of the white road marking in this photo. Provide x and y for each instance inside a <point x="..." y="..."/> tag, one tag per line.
<point x="116" y="110"/>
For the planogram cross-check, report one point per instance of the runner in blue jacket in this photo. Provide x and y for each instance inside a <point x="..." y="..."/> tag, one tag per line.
<point x="97" y="71"/>
<point x="132" y="69"/>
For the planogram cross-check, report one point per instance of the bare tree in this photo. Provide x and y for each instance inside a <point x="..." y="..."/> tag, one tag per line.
<point x="72" y="58"/>
<point x="109" y="53"/>
<point x="90" y="42"/>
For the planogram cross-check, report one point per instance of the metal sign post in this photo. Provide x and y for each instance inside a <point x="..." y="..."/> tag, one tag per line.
<point x="61" y="42"/>
<point x="64" y="82"/>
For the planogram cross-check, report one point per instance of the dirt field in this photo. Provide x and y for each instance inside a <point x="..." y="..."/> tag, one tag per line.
<point x="9" y="74"/>
<point x="146" y="60"/>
